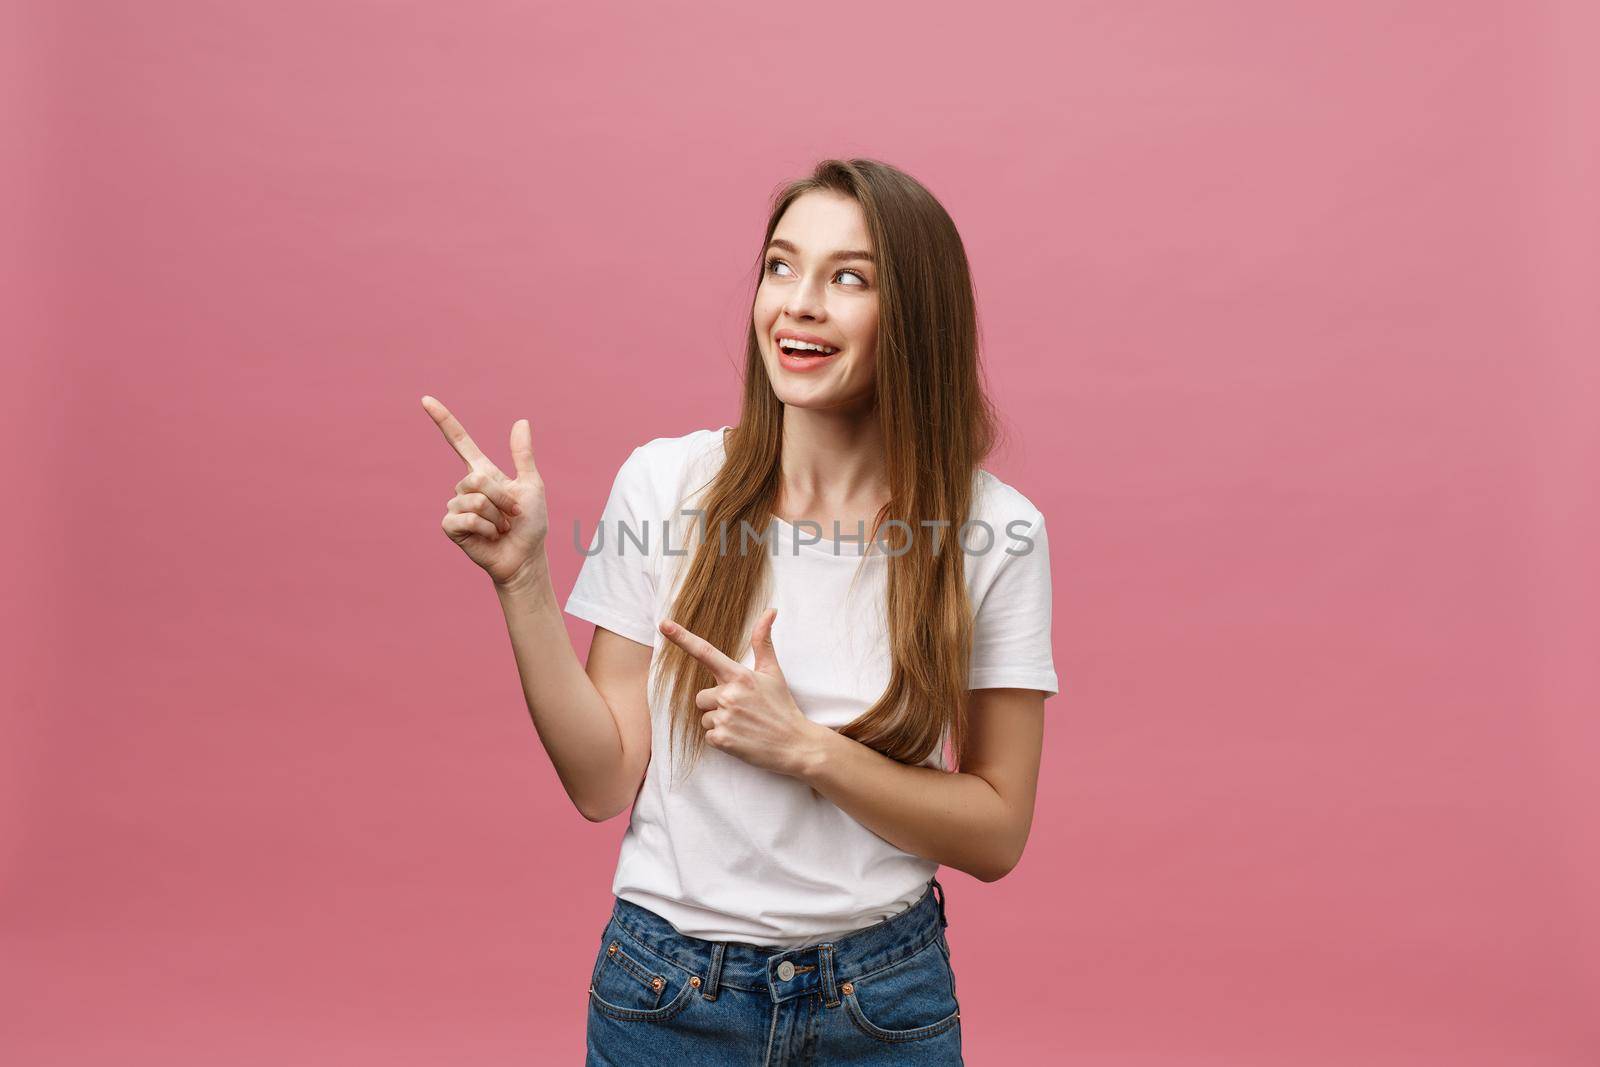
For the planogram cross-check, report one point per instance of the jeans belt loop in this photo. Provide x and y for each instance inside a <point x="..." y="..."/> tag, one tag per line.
<point x="714" y="975"/>
<point x="830" y="990"/>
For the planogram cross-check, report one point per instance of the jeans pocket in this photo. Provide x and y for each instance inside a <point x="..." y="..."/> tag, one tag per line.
<point x="906" y="1001"/>
<point x="631" y="982"/>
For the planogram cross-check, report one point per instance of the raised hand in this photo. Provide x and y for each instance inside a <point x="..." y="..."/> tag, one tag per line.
<point x="500" y="523"/>
<point x="750" y="713"/>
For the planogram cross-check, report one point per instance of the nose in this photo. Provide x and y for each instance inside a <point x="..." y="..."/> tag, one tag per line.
<point x="805" y="302"/>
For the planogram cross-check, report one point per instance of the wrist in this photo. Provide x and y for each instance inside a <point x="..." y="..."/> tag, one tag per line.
<point x="531" y="577"/>
<point x="816" y="752"/>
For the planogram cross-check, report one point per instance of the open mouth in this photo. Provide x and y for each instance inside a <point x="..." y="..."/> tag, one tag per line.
<point x="803" y="349"/>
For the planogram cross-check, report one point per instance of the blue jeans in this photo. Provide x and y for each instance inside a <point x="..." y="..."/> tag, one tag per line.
<point x="884" y="994"/>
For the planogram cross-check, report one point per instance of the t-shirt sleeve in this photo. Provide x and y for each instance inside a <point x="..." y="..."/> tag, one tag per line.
<point x="615" y="587"/>
<point x="1011" y="630"/>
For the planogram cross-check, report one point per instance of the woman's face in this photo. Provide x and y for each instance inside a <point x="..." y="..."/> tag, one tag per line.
<point x="820" y="284"/>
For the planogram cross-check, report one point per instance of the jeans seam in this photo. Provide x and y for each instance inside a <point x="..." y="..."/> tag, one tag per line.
<point x="897" y="961"/>
<point x="633" y="937"/>
<point x="917" y="1033"/>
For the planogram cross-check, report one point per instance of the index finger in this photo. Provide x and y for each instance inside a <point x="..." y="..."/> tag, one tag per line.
<point x="722" y="667"/>
<point x="455" y="433"/>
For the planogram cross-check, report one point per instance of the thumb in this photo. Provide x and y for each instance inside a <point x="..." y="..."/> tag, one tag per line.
<point x="522" y="448"/>
<point x="761" y="644"/>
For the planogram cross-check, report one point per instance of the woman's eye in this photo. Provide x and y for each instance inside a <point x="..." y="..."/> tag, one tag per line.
<point x="774" y="264"/>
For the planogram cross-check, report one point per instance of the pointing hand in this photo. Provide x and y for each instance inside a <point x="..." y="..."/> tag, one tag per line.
<point x="750" y="713"/>
<point x="500" y="523"/>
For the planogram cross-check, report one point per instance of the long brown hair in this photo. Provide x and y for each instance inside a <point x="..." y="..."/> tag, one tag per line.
<point x="938" y="426"/>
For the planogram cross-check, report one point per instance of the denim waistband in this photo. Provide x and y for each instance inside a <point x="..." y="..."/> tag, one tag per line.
<point x="815" y="968"/>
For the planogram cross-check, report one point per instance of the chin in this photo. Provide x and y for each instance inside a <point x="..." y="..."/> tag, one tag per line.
<point x="827" y="400"/>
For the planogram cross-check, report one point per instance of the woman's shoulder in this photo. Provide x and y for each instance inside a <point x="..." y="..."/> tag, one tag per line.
<point x="1001" y="505"/>
<point x="660" y="454"/>
<point x="680" y="448"/>
<point x="662" y="467"/>
<point x="1015" y="532"/>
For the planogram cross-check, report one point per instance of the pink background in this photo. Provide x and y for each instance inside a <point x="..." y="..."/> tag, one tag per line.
<point x="1290" y="310"/>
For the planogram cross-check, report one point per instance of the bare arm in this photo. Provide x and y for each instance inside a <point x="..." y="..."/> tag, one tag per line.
<point x="976" y="820"/>
<point x="594" y="723"/>
<point x="593" y="720"/>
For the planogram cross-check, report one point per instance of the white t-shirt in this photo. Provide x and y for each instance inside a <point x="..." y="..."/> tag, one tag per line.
<point x="733" y="852"/>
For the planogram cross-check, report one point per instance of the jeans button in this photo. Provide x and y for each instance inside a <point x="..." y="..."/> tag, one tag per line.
<point x="786" y="970"/>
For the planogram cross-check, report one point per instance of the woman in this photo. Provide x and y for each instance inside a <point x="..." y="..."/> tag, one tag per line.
<point x="772" y="695"/>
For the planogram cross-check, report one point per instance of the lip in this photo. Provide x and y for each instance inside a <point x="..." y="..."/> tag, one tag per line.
<point x="802" y="364"/>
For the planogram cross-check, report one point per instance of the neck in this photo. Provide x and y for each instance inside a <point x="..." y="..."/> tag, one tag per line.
<point x="832" y="461"/>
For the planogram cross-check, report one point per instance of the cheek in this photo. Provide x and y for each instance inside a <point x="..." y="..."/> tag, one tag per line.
<point x="766" y="310"/>
<point x="866" y="335"/>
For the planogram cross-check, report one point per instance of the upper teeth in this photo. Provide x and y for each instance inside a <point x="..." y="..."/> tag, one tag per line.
<point x="790" y="342"/>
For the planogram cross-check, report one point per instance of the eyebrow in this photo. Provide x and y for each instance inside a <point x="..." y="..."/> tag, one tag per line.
<point x="853" y="253"/>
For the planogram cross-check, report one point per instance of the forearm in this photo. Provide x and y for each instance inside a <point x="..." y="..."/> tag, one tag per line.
<point x="573" y="721"/>
<point x="956" y="819"/>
